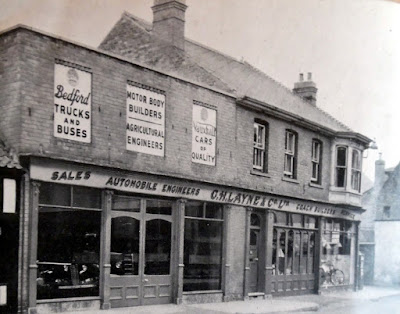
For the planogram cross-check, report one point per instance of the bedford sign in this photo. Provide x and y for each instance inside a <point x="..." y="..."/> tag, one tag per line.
<point x="72" y="103"/>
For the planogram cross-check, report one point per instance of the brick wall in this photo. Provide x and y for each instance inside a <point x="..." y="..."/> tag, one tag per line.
<point x="10" y="87"/>
<point x="109" y="79"/>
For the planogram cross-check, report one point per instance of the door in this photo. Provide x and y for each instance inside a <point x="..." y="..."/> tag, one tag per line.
<point x="9" y="229"/>
<point x="255" y="248"/>
<point x="141" y="231"/>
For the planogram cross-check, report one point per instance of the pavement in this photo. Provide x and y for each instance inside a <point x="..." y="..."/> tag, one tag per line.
<point x="305" y="303"/>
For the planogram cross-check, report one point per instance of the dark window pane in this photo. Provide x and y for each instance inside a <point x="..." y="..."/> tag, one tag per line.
<point x="340" y="177"/>
<point x="68" y="253"/>
<point x="255" y="220"/>
<point x="202" y="255"/>
<point x="310" y="222"/>
<point x="55" y="194"/>
<point x="125" y="246"/>
<point x="341" y="156"/>
<point x="125" y="203"/>
<point x="214" y="210"/>
<point x="86" y="197"/>
<point x="194" y="209"/>
<point x="253" y="237"/>
<point x="161" y="207"/>
<point x="158" y="247"/>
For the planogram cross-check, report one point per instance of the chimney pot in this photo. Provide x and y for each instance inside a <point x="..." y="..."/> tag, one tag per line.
<point x="301" y="77"/>
<point x="309" y="77"/>
<point x="306" y="89"/>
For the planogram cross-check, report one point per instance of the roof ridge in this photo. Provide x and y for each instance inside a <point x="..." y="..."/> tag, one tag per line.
<point x="291" y="92"/>
<point x="141" y="22"/>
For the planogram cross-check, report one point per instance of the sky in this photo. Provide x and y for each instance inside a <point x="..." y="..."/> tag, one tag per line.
<point x="352" y="48"/>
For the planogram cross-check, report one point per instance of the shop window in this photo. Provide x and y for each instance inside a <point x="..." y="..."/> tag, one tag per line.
<point x="260" y="146"/>
<point x="202" y="246"/>
<point x="356" y="170"/>
<point x="290" y="162"/>
<point x="336" y="258"/>
<point x="316" y="153"/>
<point x="341" y="166"/>
<point x="158" y="247"/>
<point x="68" y="243"/>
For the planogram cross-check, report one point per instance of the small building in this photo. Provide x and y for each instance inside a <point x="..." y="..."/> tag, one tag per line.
<point x="381" y="225"/>
<point x="158" y="170"/>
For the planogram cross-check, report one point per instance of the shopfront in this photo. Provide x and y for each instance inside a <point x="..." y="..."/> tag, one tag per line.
<point x="108" y="239"/>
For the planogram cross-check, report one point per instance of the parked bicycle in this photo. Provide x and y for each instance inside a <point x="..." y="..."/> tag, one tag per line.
<point x="330" y="274"/>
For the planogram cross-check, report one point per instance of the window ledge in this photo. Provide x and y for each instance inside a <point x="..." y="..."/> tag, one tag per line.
<point x="259" y="173"/>
<point x="315" y="185"/>
<point x="202" y="292"/>
<point x="344" y="190"/>
<point x="295" y="181"/>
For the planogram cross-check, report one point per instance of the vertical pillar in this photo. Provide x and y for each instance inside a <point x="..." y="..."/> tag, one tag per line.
<point x="105" y="240"/>
<point x="33" y="238"/>
<point x="246" y="287"/>
<point x="317" y="254"/>
<point x="225" y="255"/>
<point x="23" y="252"/>
<point x="180" y="222"/>
<point x="269" y="233"/>
<point x="357" y="265"/>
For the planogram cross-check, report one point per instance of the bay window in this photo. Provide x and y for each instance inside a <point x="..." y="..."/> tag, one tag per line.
<point x="356" y="170"/>
<point x="341" y="166"/>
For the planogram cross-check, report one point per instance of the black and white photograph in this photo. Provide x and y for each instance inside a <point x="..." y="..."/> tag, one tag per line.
<point x="199" y="156"/>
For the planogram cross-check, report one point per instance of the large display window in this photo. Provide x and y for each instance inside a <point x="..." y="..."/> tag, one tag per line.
<point x="202" y="246"/>
<point x="337" y="258"/>
<point x="68" y="241"/>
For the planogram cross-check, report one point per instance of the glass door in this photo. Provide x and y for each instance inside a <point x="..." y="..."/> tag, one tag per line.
<point x="140" y="251"/>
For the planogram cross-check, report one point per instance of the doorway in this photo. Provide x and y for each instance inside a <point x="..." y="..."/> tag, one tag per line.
<point x="140" y="247"/>
<point x="256" y="253"/>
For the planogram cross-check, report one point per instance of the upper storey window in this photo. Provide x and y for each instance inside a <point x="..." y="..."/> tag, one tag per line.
<point x="260" y="146"/>
<point x="341" y="166"/>
<point x="316" y="151"/>
<point x="356" y="170"/>
<point x="290" y="154"/>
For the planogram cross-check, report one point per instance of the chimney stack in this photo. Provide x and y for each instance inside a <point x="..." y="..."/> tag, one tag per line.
<point x="306" y="89"/>
<point x="169" y="21"/>
<point x="379" y="172"/>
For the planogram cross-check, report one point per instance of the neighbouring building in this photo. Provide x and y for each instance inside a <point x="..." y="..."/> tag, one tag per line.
<point x="157" y="170"/>
<point x="379" y="229"/>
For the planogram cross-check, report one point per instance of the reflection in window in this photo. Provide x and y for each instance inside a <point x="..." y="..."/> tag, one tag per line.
<point x="202" y="247"/>
<point x="158" y="247"/>
<point x="125" y="246"/>
<point x="68" y="243"/>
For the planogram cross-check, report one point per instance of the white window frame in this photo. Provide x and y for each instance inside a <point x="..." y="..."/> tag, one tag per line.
<point x="356" y="170"/>
<point x="290" y="154"/>
<point x="316" y="150"/>
<point x="337" y="167"/>
<point x="259" y="146"/>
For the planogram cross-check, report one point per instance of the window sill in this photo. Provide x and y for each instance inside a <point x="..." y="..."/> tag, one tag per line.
<point x="344" y="190"/>
<point x="259" y="173"/>
<point x="295" y="181"/>
<point x="316" y="185"/>
<point x="202" y="292"/>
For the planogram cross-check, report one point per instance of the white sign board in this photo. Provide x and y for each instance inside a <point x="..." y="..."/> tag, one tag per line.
<point x="204" y="135"/>
<point x="72" y="103"/>
<point x="9" y="196"/>
<point x="3" y="295"/>
<point x="145" y="121"/>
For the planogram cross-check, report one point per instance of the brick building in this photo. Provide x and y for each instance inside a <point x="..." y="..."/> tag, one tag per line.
<point x="158" y="170"/>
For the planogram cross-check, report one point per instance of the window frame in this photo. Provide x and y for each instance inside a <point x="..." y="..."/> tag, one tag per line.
<point x="316" y="161"/>
<point x="290" y="155"/>
<point x="355" y="179"/>
<point x="260" y="146"/>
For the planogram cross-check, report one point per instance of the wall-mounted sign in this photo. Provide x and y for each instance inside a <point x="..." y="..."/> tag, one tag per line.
<point x="72" y="103"/>
<point x="204" y="134"/>
<point x="9" y="196"/>
<point x="145" y="121"/>
<point x="152" y="185"/>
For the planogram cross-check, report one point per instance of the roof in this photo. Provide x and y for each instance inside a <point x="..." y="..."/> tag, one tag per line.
<point x="132" y="37"/>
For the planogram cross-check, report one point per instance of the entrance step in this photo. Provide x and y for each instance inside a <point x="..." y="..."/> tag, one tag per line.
<point x="256" y="295"/>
